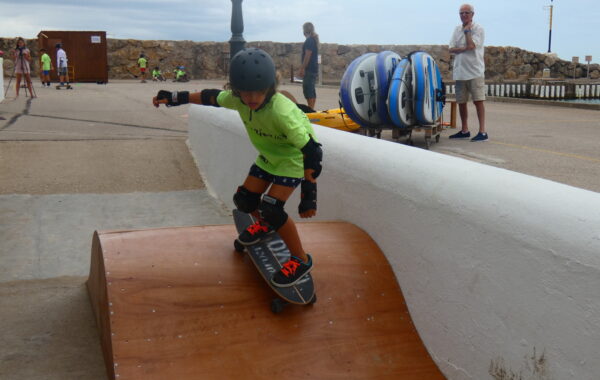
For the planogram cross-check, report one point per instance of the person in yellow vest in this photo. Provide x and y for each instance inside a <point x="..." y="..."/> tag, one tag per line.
<point x="157" y="75"/>
<point x="181" y="75"/>
<point x="46" y="64"/>
<point x="142" y="63"/>
<point x="289" y="154"/>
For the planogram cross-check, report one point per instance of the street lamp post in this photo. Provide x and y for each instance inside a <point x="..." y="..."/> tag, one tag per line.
<point x="550" y="32"/>
<point x="237" y="42"/>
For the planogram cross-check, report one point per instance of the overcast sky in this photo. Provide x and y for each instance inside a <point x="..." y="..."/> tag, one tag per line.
<point x="520" y="23"/>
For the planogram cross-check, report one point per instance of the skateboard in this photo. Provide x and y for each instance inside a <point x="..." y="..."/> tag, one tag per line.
<point x="268" y="255"/>
<point x="68" y="87"/>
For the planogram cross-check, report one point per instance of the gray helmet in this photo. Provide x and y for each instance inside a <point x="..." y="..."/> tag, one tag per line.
<point x="251" y="69"/>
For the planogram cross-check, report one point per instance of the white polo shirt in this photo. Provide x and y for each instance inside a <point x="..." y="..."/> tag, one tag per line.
<point x="469" y="64"/>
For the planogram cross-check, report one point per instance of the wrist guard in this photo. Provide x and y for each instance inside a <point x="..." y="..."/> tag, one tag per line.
<point x="308" y="197"/>
<point x="175" y="98"/>
<point x="313" y="155"/>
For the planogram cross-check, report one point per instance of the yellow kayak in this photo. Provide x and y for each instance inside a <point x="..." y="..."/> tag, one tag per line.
<point x="334" y="118"/>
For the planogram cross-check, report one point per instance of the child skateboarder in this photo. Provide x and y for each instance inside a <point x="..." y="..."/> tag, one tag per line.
<point x="142" y="63"/>
<point x="46" y="67"/>
<point x="180" y="74"/>
<point x="62" y="64"/>
<point x="289" y="154"/>
<point x="157" y="75"/>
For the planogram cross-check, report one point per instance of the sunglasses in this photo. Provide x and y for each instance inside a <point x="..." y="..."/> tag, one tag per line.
<point x="464" y="13"/>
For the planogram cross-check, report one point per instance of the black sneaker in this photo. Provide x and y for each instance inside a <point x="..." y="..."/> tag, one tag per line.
<point x="480" y="137"/>
<point x="461" y="135"/>
<point x="254" y="233"/>
<point x="292" y="272"/>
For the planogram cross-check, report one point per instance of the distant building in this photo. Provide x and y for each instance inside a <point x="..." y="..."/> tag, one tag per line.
<point x="86" y="52"/>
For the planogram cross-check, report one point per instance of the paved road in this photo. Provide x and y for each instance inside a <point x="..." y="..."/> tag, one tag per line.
<point x="97" y="157"/>
<point x="101" y="157"/>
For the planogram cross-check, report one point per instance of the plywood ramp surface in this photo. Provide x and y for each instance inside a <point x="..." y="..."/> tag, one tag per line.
<point x="180" y="303"/>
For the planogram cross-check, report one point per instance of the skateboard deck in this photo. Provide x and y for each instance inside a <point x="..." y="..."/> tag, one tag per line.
<point x="69" y="87"/>
<point x="268" y="256"/>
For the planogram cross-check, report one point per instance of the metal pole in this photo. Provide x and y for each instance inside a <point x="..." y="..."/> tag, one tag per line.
<point x="588" y="59"/>
<point x="237" y="42"/>
<point x="550" y="32"/>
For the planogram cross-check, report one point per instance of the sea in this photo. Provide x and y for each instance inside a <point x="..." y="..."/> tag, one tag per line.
<point x="584" y="101"/>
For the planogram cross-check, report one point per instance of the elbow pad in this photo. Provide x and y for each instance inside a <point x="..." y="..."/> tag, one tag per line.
<point x="313" y="155"/>
<point x="209" y="97"/>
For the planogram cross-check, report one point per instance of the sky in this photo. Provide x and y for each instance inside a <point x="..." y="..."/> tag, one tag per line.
<point x="520" y="23"/>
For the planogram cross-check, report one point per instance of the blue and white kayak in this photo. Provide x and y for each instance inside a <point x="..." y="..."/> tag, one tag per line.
<point x="400" y="96"/>
<point x="358" y="91"/>
<point x="427" y="88"/>
<point x="385" y="64"/>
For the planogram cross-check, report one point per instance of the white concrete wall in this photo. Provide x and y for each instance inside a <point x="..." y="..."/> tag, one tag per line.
<point x="500" y="270"/>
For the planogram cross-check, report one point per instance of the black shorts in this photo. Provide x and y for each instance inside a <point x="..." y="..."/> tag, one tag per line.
<point x="308" y="85"/>
<point x="257" y="172"/>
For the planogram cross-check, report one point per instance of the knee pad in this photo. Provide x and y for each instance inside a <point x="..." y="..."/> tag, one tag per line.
<point x="271" y="210"/>
<point x="246" y="200"/>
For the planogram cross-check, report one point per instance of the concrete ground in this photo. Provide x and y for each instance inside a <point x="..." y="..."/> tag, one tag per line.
<point x="101" y="157"/>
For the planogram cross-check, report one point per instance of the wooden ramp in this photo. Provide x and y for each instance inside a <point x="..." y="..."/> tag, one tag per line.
<point x="180" y="303"/>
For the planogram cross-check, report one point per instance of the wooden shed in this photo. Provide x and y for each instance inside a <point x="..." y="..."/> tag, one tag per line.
<point x="86" y="52"/>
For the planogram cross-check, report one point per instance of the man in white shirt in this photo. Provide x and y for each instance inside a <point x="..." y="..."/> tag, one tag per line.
<point x="61" y="65"/>
<point x="469" y="71"/>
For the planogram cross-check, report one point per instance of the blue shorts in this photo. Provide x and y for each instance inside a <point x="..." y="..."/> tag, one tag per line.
<point x="46" y="72"/>
<point x="257" y="172"/>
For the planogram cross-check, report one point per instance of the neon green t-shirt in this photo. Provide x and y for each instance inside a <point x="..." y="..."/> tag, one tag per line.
<point x="156" y="73"/>
<point x="142" y="62"/>
<point x="46" y="60"/>
<point x="278" y="131"/>
<point x="180" y="73"/>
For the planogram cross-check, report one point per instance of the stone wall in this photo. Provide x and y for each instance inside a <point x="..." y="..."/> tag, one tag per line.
<point x="208" y="60"/>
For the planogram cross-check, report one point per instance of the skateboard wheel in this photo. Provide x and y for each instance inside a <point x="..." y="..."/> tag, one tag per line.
<point x="239" y="247"/>
<point x="277" y="305"/>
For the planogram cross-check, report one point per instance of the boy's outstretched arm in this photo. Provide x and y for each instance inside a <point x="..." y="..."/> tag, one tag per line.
<point x="177" y="98"/>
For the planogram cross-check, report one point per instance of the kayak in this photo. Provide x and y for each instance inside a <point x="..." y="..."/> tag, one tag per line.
<point x="335" y="118"/>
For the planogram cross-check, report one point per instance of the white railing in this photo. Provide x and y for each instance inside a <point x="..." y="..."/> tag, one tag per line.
<point x="539" y="91"/>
